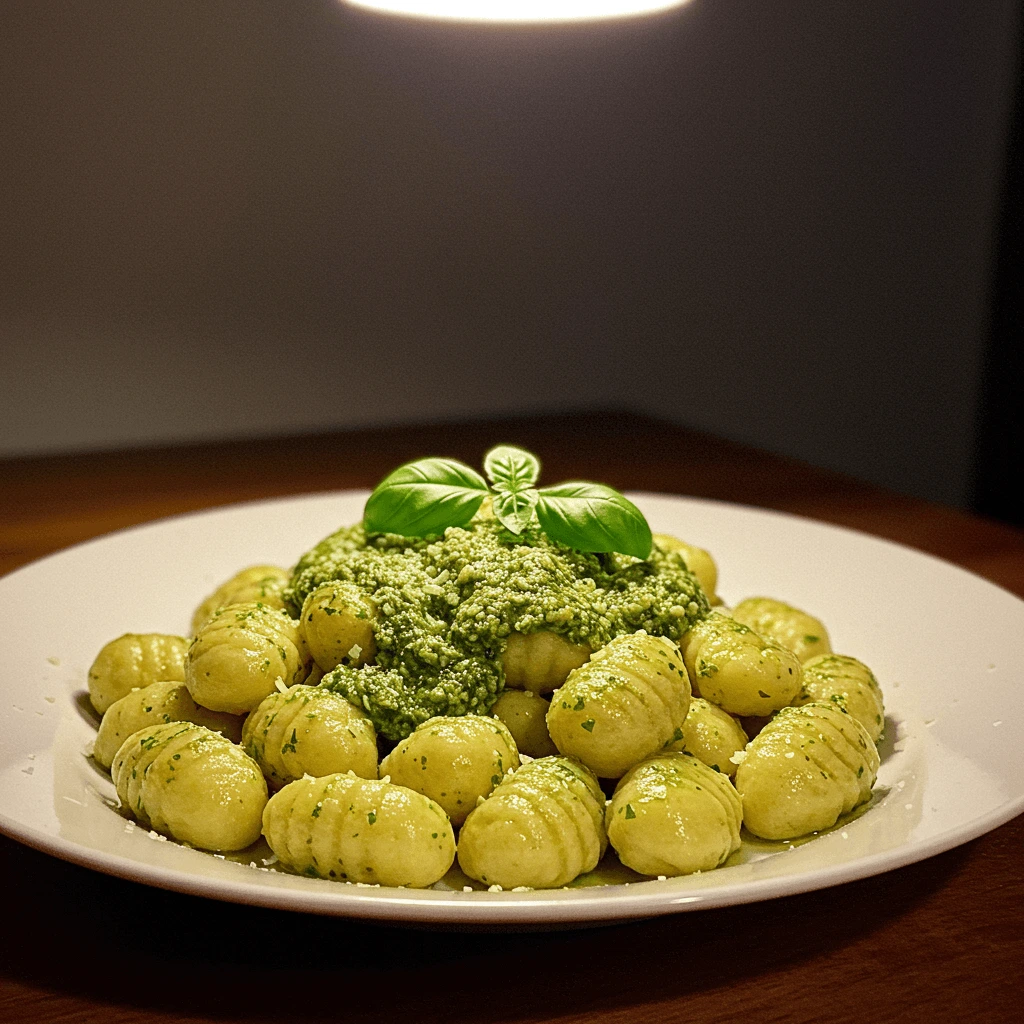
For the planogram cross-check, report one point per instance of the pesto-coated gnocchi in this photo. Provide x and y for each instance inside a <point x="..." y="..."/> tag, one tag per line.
<point x="309" y="731"/>
<point x="132" y="661"/>
<point x="151" y="705"/>
<point x="239" y="656"/>
<point x="628" y="701"/>
<point x="454" y="761"/>
<point x="711" y="735"/>
<point x="525" y="713"/>
<point x="540" y="662"/>
<point x="192" y="784"/>
<point x="845" y="680"/>
<point x="697" y="560"/>
<point x="359" y="830"/>
<point x="526" y="670"/>
<point x="262" y="583"/>
<point x="801" y="633"/>
<point x="672" y="815"/>
<point x="541" y="827"/>
<point x="739" y="670"/>
<point x="804" y="769"/>
<point x="337" y="623"/>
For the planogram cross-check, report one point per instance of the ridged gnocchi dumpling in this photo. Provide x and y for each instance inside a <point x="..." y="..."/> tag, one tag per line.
<point x="133" y="661"/>
<point x="628" y="701"/>
<point x="672" y="815"/>
<point x="740" y="670"/>
<point x="697" y="560"/>
<point x="359" y="830"/>
<point x="842" y="679"/>
<point x="711" y="735"/>
<point x="309" y="731"/>
<point x="804" y="769"/>
<point x="237" y="658"/>
<point x="191" y="783"/>
<point x="337" y="623"/>
<point x="525" y="713"/>
<point x="796" y="630"/>
<point x="152" y="705"/>
<point x="540" y="662"/>
<point x="541" y="827"/>
<point x="455" y="761"/>
<point x="262" y="583"/>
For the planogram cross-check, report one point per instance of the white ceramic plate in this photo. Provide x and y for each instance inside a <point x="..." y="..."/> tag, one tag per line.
<point x="947" y="646"/>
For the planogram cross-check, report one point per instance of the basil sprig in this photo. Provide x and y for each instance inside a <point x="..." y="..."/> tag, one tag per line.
<point x="513" y="473"/>
<point x="427" y="496"/>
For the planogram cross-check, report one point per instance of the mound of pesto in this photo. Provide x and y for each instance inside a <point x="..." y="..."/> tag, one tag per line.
<point x="445" y="606"/>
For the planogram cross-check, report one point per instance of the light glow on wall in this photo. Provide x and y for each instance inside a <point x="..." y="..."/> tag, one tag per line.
<point x="519" y="10"/>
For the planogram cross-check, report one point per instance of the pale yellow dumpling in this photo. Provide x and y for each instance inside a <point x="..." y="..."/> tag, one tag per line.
<point x="627" y="702"/>
<point x="697" y="560"/>
<point x="543" y="826"/>
<point x="133" y="661"/>
<point x="801" y="633"/>
<point x="672" y="815"/>
<point x="804" y="769"/>
<point x="241" y="654"/>
<point x="842" y="679"/>
<point x="359" y="830"/>
<point x="192" y="784"/>
<point x="337" y="622"/>
<point x="711" y="735"/>
<point x="153" y="705"/>
<point x="739" y="670"/>
<point x="540" y="662"/>
<point x="305" y="730"/>
<point x="262" y="583"/>
<point x="454" y="761"/>
<point x="524" y="713"/>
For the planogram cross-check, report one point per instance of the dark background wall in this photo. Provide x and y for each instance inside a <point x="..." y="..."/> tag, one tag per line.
<point x="772" y="220"/>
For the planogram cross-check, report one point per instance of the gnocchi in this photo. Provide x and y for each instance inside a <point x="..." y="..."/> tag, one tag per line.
<point x="804" y="769"/>
<point x="712" y="736"/>
<point x="697" y="560"/>
<point x="541" y="827"/>
<point x="525" y="715"/>
<point x="797" y="631"/>
<point x="151" y="705"/>
<point x="455" y="761"/>
<point x="540" y="662"/>
<point x="262" y="583"/>
<point x="337" y="623"/>
<point x="845" y="680"/>
<point x="672" y="815"/>
<point x="359" y="830"/>
<point x="191" y="783"/>
<point x="132" y="661"/>
<point x="739" y="670"/>
<point x="241" y="654"/>
<point x="305" y="730"/>
<point x="628" y="701"/>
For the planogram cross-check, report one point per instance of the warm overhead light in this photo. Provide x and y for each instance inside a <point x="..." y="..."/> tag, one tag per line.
<point x="519" y="10"/>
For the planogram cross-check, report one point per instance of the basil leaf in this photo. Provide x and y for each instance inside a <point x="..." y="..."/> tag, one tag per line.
<point x="510" y="468"/>
<point x="425" y="497"/>
<point x="593" y="517"/>
<point x="514" y="509"/>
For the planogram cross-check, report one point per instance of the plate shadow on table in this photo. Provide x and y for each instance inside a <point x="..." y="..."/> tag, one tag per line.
<point x="104" y="940"/>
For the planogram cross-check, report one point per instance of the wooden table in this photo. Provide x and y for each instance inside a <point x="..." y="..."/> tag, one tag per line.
<point x="942" y="940"/>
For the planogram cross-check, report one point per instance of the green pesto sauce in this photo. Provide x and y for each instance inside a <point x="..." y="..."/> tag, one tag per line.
<point x="446" y="605"/>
